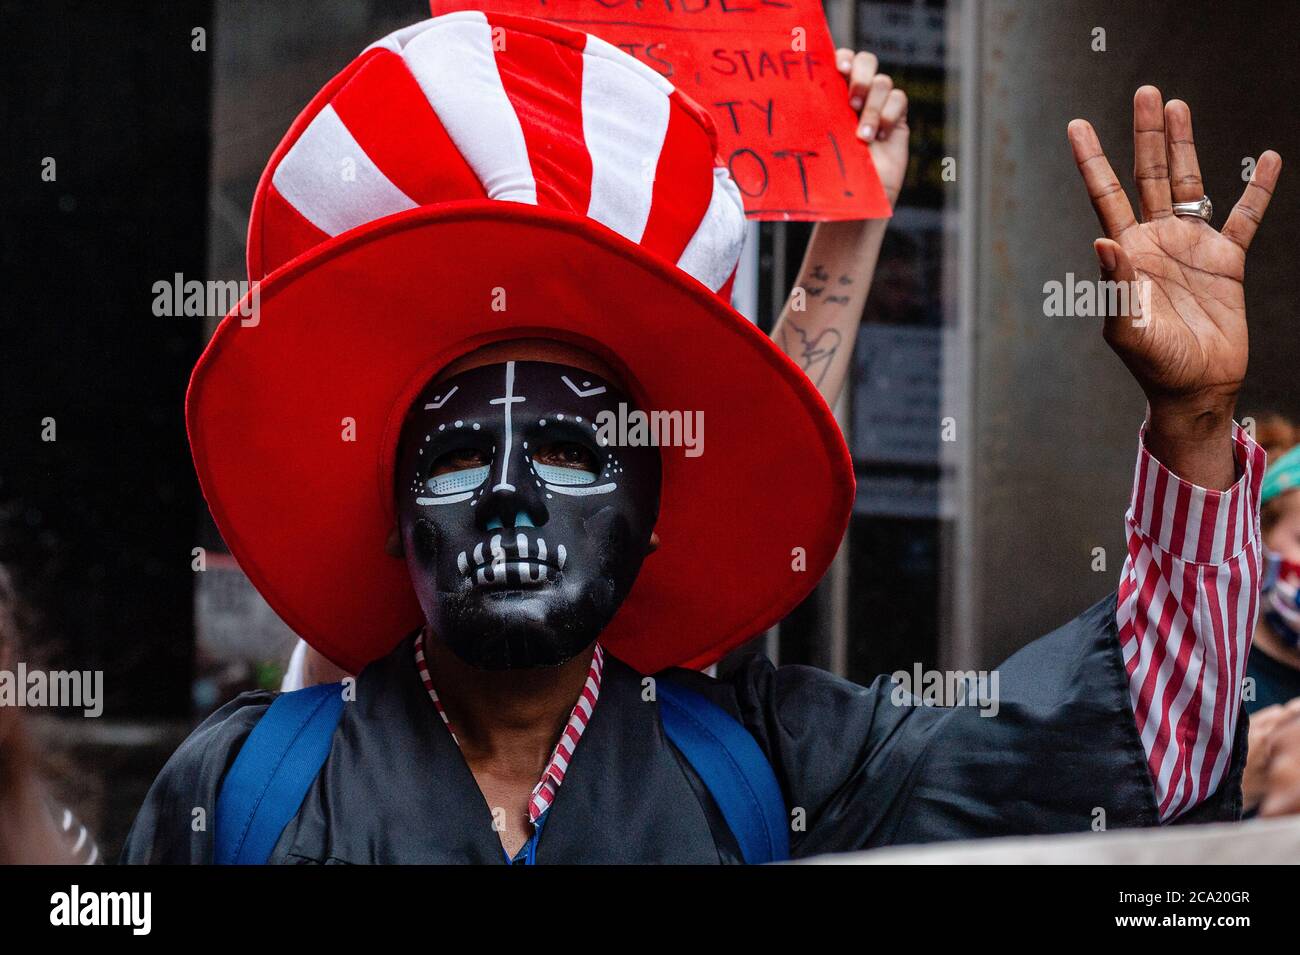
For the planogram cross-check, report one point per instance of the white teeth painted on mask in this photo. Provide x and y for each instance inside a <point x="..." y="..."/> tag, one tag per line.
<point x="482" y="576"/>
<point x="498" y="555"/>
<point x="461" y="563"/>
<point x="521" y="546"/>
<point x="478" y="553"/>
<point x="541" y="549"/>
<point x="561" y="555"/>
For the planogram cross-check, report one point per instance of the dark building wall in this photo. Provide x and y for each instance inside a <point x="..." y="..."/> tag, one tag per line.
<point x="97" y="525"/>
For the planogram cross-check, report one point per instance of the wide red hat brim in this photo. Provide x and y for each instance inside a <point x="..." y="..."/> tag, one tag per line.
<point x="293" y="421"/>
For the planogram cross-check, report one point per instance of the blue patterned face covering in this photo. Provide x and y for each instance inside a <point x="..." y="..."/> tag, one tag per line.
<point x="523" y="528"/>
<point x="1280" y="597"/>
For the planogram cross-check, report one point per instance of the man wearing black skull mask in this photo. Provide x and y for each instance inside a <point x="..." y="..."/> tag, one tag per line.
<point x="542" y="563"/>
<point x="523" y="527"/>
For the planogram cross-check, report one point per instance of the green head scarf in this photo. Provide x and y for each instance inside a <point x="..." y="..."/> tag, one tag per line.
<point x="1282" y="475"/>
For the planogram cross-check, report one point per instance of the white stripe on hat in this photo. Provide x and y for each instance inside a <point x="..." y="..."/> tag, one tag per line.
<point x="456" y="67"/>
<point x="624" y="125"/>
<point x="595" y="46"/>
<point x="330" y="180"/>
<point x="714" y="250"/>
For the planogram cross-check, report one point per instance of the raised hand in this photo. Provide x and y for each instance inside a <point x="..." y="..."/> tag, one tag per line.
<point x="1188" y="349"/>
<point x="882" y="116"/>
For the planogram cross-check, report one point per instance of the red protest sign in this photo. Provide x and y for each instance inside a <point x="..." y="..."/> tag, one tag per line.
<point x="765" y="70"/>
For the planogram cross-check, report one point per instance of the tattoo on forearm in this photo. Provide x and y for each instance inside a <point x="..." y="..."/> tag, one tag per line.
<point x="845" y="283"/>
<point x="813" y="353"/>
<point x="842" y="284"/>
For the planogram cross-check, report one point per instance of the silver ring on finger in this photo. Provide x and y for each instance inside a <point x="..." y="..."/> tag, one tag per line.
<point x="1201" y="208"/>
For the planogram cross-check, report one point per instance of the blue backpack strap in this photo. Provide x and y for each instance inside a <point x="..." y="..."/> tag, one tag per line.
<point x="271" y="775"/>
<point x="732" y="767"/>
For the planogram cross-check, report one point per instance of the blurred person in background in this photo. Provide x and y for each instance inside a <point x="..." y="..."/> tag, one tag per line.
<point x="1271" y="784"/>
<point x="1275" y="663"/>
<point x="34" y="829"/>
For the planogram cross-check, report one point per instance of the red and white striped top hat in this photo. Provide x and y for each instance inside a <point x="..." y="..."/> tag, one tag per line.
<point x="467" y="107"/>
<point x="461" y="162"/>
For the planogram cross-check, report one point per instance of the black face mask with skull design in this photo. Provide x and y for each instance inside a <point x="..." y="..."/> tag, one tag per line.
<point x="523" y="528"/>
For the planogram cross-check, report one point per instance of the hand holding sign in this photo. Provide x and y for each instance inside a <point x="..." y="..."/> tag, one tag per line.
<point x="825" y="306"/>
<point x="883" y="119"/>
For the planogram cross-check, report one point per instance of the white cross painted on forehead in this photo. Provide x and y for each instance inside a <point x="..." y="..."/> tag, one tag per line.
<point x="508" y="399"/>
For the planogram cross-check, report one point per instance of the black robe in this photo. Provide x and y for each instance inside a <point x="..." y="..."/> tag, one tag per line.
<point x="857" y="770"/>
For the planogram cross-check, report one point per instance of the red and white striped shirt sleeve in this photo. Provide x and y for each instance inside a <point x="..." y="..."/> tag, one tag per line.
<point x="1188" y="598"/>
